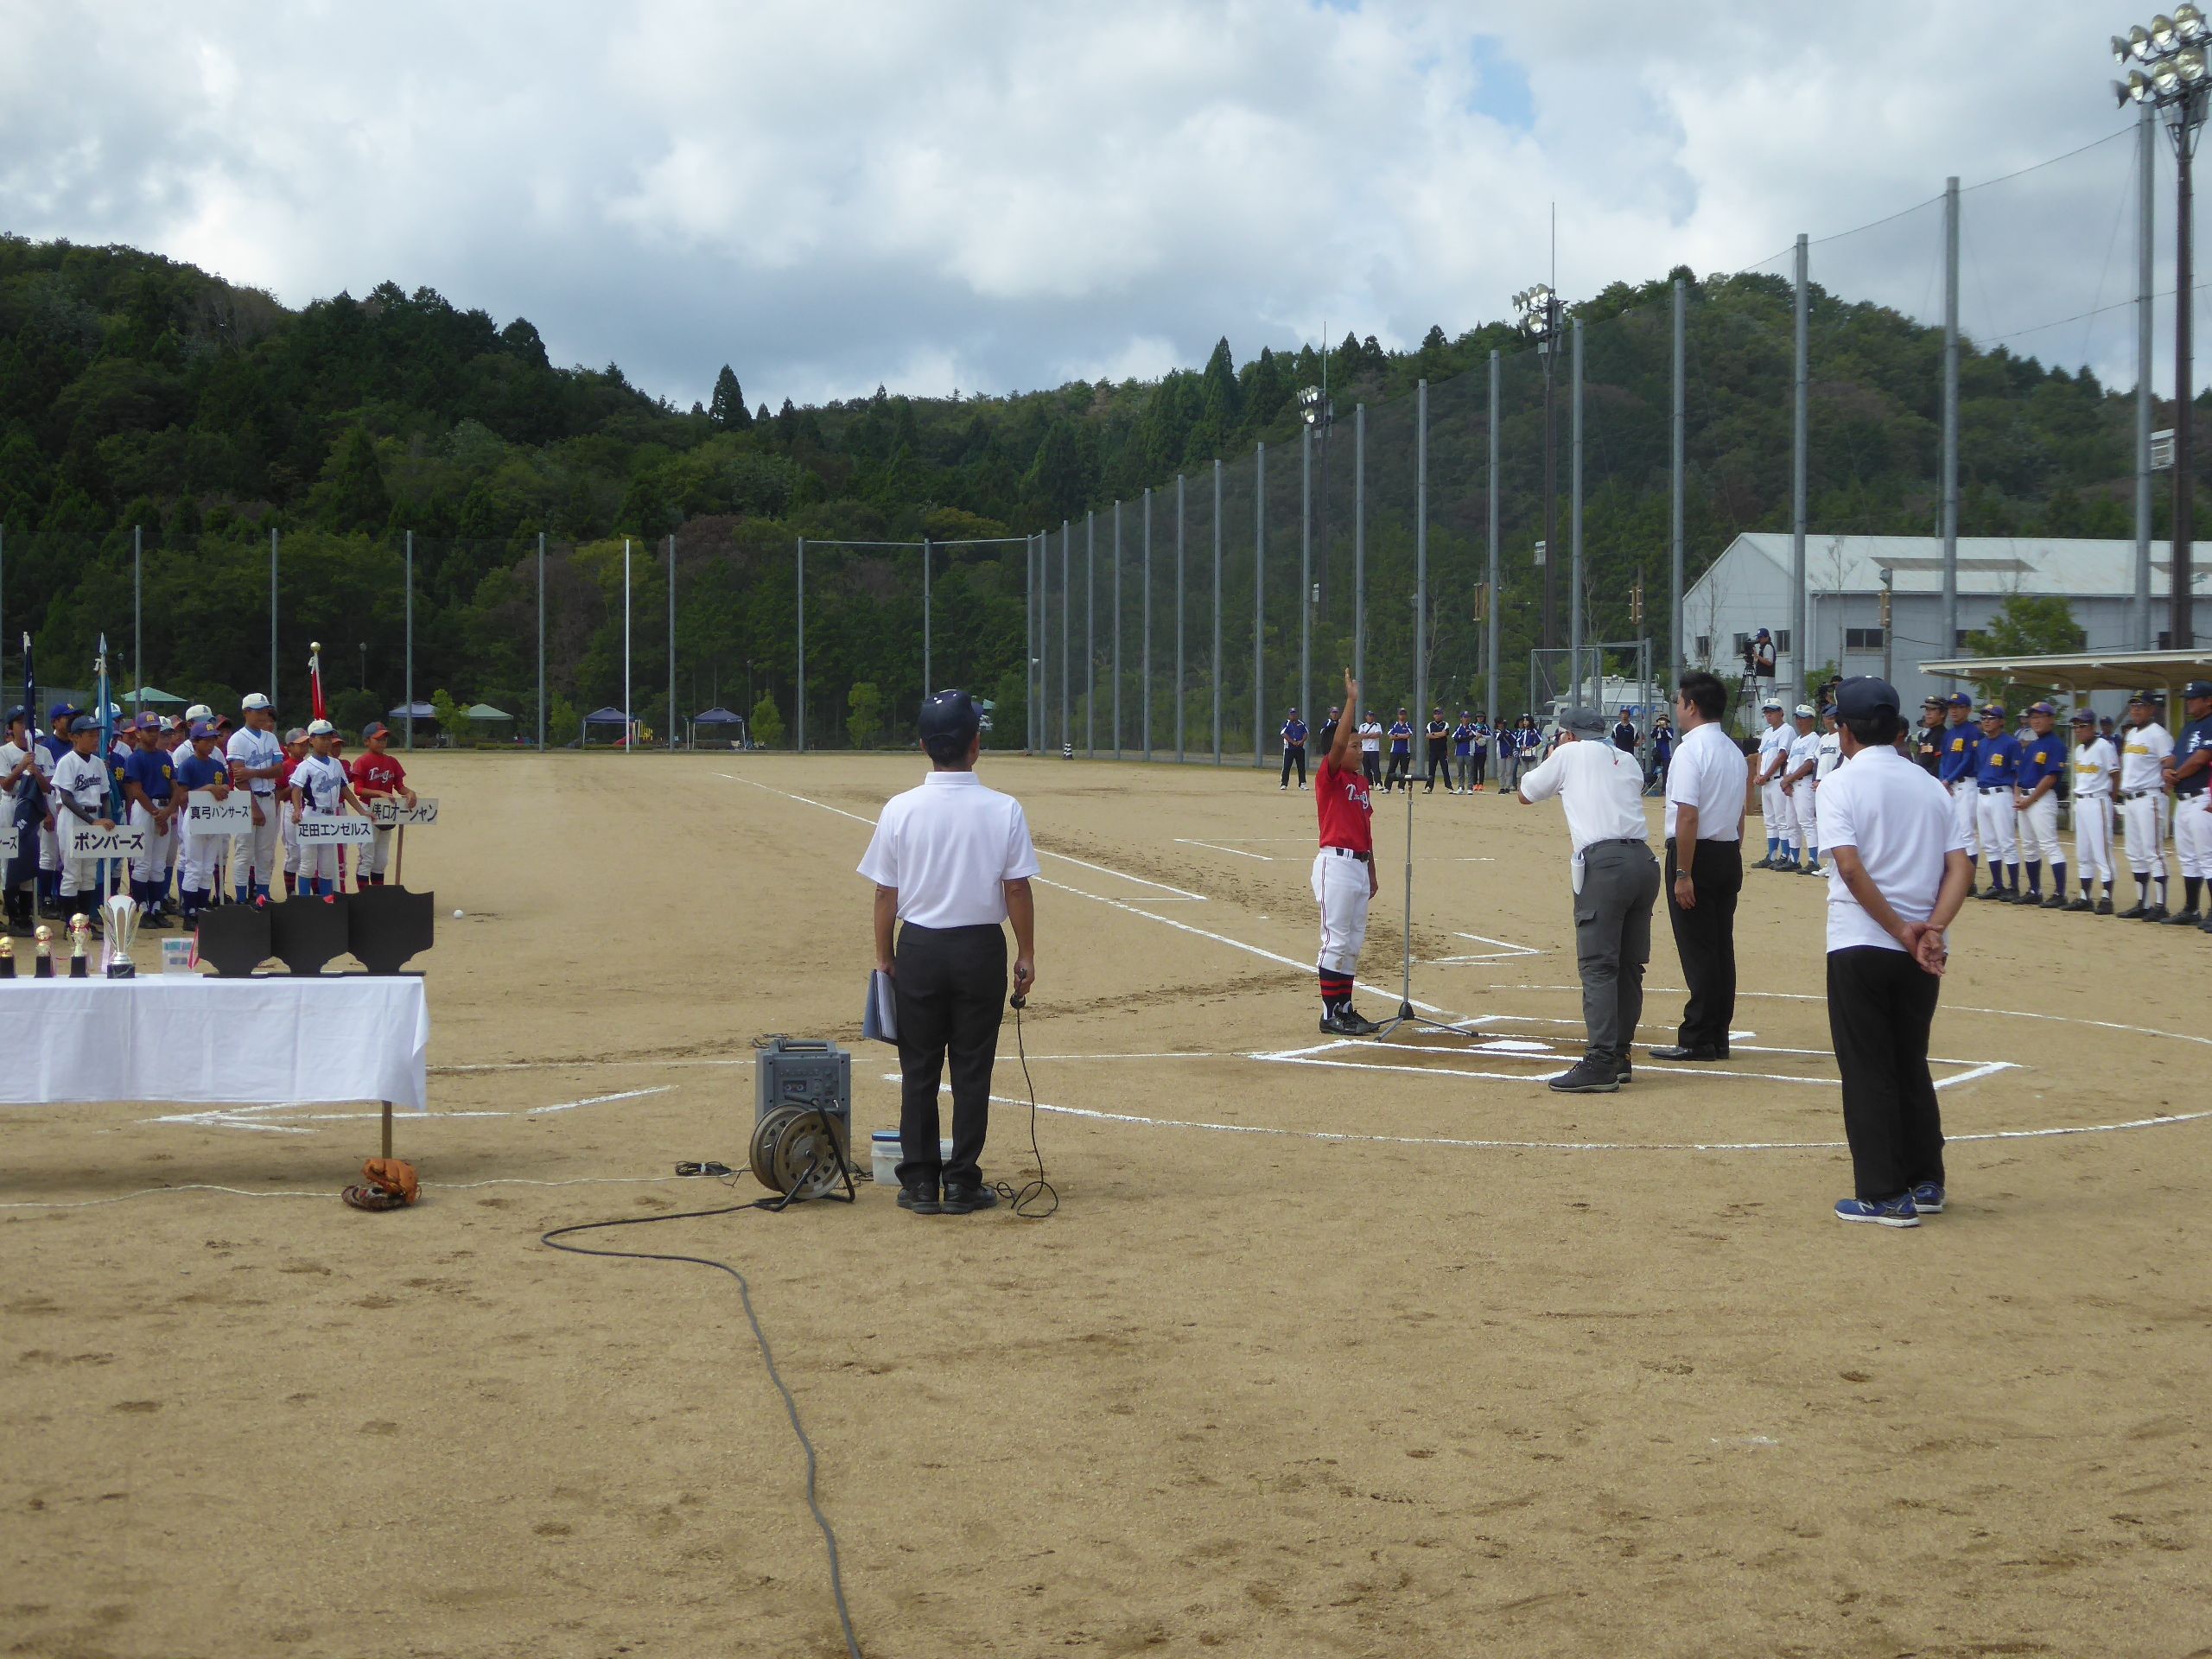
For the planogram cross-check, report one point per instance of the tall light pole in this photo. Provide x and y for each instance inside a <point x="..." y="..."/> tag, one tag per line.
<point x="1541" y="319"/>
<point x="2172" y="76"/>
<point x="1319" y="411"/>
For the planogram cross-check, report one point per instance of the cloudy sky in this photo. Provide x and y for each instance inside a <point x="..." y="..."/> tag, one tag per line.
<point x="950" y="193"/>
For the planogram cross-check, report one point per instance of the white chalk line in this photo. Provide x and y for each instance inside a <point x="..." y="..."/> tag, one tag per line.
<point x="246" y="1192"/>
<point x="256" y="1118"/>
<point x="1215" y="847"/>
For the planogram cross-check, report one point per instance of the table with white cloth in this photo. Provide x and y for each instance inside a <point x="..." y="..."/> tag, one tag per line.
<point x="198" y="1039"/>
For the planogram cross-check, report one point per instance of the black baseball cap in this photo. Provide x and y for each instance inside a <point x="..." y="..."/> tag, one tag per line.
<point x="2198" y="688"/>
<point x="949" y="714"/>
<point x="2153" y="699"/>
<point x="1863" y="696"/>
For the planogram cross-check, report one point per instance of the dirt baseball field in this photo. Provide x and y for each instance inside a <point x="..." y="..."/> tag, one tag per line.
<point x="1374" y="1348"/>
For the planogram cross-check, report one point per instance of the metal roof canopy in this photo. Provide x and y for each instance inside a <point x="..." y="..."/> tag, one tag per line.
<point x="2085" y="670"/>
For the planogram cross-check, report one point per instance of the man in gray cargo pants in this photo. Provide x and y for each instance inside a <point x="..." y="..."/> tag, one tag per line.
<point x="1615" y="884"/>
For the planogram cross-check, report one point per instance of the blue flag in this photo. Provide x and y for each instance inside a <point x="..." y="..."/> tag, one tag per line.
<point x="30" y="688"/>
<point x="107" y="732"/>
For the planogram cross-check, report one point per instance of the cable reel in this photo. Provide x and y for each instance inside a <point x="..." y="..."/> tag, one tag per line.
<point x="796" y="1152"/>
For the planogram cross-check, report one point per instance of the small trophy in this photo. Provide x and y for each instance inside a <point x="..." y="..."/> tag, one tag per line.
<point x="123" y="918"/>
<point x="44" y="969"/>
<point x="80" y="933"/>
<point x="7" y="957"/>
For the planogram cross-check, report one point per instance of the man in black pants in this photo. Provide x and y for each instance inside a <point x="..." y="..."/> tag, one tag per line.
<point x="1439" y="733"/>
<point x="1901" y="873"/>
<point x="1709" y="784"/>
<point x="1294" y="749"/>
<point x="952" y="862"/>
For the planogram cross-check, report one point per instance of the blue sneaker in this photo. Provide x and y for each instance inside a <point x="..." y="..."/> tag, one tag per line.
<point x="1927" y="1199"/>
<point x="1894" y="1213"/>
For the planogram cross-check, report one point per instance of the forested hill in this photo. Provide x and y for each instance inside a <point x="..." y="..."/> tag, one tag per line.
<point x="137" y="391"/>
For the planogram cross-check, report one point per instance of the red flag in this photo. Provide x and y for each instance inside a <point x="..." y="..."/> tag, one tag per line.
<point x="314" y="682"/>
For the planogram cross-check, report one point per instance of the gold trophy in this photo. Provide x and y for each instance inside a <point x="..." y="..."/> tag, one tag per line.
<point x="7" y="957"/>
<point x="44" y="935"/>
<point x="123" y="918"/>
<point x="80" y="933"/>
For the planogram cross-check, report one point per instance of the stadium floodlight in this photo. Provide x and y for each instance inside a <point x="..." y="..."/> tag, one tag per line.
<point x="1309" y="405"/>
<point x="2121" y="51"/>
<point x="2139" y="42"/>
<point x="2163" y="36"/>
<point x="2165" y="77"/>
<point x="2189" y="60"/>
<point x="2189" y="24"/>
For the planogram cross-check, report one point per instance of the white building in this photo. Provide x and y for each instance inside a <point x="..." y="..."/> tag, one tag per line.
<point x="1748" y="588"/>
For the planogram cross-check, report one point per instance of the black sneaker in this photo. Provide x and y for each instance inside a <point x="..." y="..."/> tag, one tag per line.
<point x="2104" y="906"/>
<point x="961" y="1198"/>
<point x="2082" y="903"/>
<point x="1626" y="1075"/>
<point x="2155" y="913"/>
<point x="2135" y="914"/>
<point x="2056" y="901"/>
<point x="1348" y="1024"/>
<point x="920" y="1197"/>
<point x="2186" y="919"/>
<point x="1587" y="1079"/>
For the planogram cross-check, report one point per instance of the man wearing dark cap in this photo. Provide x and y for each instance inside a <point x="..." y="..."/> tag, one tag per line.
<point x="1996" y="766"/>
<point x="2187" y="772"/>
<point x="1899" y="873"/>
<point x="2146" y="747"/>
<point x="1955" y="767"/>
<point x="952" y="862"/>
<point x="2044" y="761"/>
<point x="22" y="806"/>
<point x="1927" y="750"/>
<point x="2096" y="776"/>
<point x="79" y="796"/>
<point x="1615" y="884"/>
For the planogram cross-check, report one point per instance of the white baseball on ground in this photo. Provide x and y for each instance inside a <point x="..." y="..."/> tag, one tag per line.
<point x="456" y="915"/>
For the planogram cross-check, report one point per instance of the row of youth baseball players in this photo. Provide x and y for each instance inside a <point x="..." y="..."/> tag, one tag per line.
<point x="2006" y="789"/>
<point x="152" y="768"/>
<point x="1457" y="751"/>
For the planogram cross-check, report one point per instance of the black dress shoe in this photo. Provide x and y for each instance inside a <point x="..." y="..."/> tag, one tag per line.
<point x="963" y="1198"/>
<point x="1701" y="1051"/>
<point x="920" y="1197"/>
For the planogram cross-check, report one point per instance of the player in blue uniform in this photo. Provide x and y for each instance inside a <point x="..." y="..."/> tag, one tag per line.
<point x="149" y="785"/>
<point x="2044" y="759"/>
<point x="1463" y="751"/>
<point x="1402" y="753"/>
<point x="1294" y="749"/>
<point x="200" y="766"/>
<point x="1955" y="770"/>
<point x="2188" y="772"/>
<point x="1996" y="768"/>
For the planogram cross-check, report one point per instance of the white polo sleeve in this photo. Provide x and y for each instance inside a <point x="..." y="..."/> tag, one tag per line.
<point x="1020" y="855"/>
<point x="1543" y="783"/>
<point x="879" y="864"/>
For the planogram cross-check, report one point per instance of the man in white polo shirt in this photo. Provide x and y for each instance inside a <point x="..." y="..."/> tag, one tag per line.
<point x="951" y="861"/>
<point x="1706" y="788"/>
<point x="1899" y="874"/>
<point x="1616" y="883"/>
<point x="256" y="757"/>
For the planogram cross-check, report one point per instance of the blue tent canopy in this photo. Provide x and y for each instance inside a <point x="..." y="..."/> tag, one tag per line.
<point x="717" y="716"/>
<point x="412" y="711"/>
<point x="609" y="717"/>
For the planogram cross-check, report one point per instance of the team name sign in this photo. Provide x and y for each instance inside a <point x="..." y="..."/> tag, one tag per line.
<point x="83" y="840"/>
<point x="334" y="830"/>
<point x="206" y="816"/>
<point x="388" y="812"/>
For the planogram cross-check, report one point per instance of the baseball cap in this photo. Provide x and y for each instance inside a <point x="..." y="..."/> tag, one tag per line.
<point x="2042" y="708"/>
<point x="2198" y="688"/>
<point x="149" y="722"/>
<point x="319" y="729"/>
<point x="1804" y="711"/>
<point x="82" y="724"/>
<point x="62" y="711"/>
<point x="202" y="729"/>
<point x="378" y="728"/>
<point x="1863" y="696"/>
<point x="949" y="714"/>
<point x="253" y="701"/>
<point x="2149" y="699"/>
<point x="1583" y="723"/>
<point x="2085" y="716"/>
<point x="198" y="711"/>
<point x="295" y="734"/>
<point x="1992" y="711"/>
<point x="1761" y="634"/>
<point x="1772" y="705"/>
<point x="1959" y="699"/>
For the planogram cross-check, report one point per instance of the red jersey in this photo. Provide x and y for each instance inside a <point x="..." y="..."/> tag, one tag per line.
<point x="377" y="774"/>
<point x="1341" y="797"/>
<point x="284" y="777"/>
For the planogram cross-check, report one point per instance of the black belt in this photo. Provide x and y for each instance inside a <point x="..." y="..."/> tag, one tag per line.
<point x="1995" y="789"/>
<point x="2135" y="794"/>
<point x="1346" y="852"/>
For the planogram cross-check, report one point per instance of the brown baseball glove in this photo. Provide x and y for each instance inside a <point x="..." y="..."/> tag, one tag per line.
<point x="385" y="1183"/>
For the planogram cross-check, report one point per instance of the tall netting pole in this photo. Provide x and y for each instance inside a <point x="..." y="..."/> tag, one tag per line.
<point x="1574" y="537"/>
<point x="1421" y="559"/>
<point x="1258" y="599"/>
<point x="1216" y="611"/>
<point x="1677" y="659"/>
<point x="1800" y="648"/>
<point x="407" y="692"/>
<point x="1067" y="726"/>
<point x="1181" y="726"/>
<point x="1306" y="582"/>
<point x="541" y="643"/>
<point x="671" y="640"/>
<point x="1491" y="606"/>
<point x="798" y="725"/>
<point x="928" y="677"/>
<point x="1090" y="633"/>
<point x="1118" y="630"/>
<point x="2147" y="140"/>
<point x="1146" y="652"/>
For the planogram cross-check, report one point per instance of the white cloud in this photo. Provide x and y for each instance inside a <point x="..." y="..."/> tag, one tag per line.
<point x="991" y="195"/>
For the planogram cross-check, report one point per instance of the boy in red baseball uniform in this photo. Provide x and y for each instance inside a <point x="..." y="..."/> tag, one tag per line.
<point x="379" y="775"/>
<point x="1344" y="870"/>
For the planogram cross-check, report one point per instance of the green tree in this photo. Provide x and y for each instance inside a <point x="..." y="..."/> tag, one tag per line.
<point x="768" y="722"/>
<point x="562" y="723"/>
<point x="2026" y="625"/>
<point x="351" y="494"/>
<point x="864" y="717"/>
<point x="727" y="413"/>
<point x="449" y="713"/>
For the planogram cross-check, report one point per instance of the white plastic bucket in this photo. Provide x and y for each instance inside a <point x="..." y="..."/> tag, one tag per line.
<point x="884" y="1154"/>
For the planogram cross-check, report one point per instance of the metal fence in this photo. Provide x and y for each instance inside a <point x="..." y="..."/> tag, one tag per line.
<point x="1395" y="534"/>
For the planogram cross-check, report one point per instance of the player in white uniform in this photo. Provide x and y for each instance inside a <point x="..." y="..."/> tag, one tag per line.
<point x="1767" y="770"/>
<point x="2145" y="747"/>
<point x="22" y="804"/>
<point x="80" y="793"/>
<point x="256" y="760"/>
<point x="1798" y="761"/>
<point x="295" y="750"/>
<point x="2186" y="774"/>
<point x="1827" y="756"/>
<point x="2096" y="771"/>
<point x="2044" y="761"/>
<point x="1371" y="747"/>
<point x="320" y="786"/>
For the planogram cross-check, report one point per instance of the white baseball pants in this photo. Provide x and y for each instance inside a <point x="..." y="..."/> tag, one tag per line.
<point x="50" y="848"/>
<point x="288" y="830"/>
<point x="2092" y="838"/>
<point x="155" y="865"/>
<point x="197" y="865"/>
<point x="1964" y="798"/>
<point x="2039" y="823"/>
<point x="320" y="862"/>
<point x="256" y="850"/>
<point x="1774" y="807"/>
<point x="2142" y="824"/>
<point x="380" y="853"/>
<point x="1996" y="817"/>
<point x="1340" y="885"/>
<point x="2193" y="834"/>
